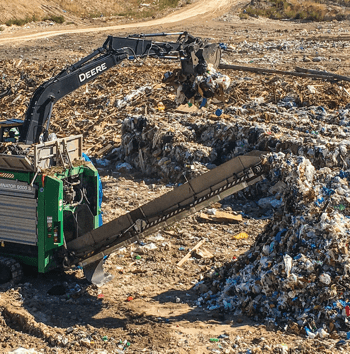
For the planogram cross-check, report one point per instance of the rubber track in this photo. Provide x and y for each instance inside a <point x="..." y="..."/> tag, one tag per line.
<point x="15" y="268"/>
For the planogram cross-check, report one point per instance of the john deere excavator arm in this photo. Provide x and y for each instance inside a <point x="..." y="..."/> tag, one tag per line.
<point x="195" y="55"/>
<point x="229" y="178"/>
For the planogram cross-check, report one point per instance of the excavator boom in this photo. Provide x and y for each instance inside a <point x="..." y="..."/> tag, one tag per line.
<point x="194" y="54"/>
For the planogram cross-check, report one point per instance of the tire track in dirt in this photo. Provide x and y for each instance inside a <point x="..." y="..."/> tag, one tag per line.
<point x="13" y="312"/>
<point x="200" y="9"/>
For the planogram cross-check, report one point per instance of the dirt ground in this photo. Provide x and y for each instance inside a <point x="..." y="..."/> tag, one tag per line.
<point x="150" y="305"/>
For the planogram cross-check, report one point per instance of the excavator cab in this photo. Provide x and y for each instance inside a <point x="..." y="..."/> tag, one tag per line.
<point x="10" y="130"/>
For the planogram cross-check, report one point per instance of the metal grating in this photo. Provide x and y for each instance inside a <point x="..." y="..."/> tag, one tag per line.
<point x="18" y="213"/>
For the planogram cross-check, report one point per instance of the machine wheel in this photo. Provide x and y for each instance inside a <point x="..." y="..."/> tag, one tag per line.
<point x="10" y="271"/>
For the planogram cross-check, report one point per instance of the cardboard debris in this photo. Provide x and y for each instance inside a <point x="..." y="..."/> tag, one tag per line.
<point x="203" y="253"/>
<point x="215" y="117"/>
<point x="185" y="108"/>
<point x="221" y="216"/>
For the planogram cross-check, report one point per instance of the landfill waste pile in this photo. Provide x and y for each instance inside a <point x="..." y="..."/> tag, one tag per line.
<point x="96" y="110"/>
<point x="297" y="272"/>
<point x="192" y="143"/>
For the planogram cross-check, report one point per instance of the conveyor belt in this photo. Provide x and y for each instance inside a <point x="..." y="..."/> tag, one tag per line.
<point x="171" y="207"/>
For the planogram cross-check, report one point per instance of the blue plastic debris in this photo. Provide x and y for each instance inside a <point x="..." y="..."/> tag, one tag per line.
<point x="319" y="201"/>
<point x="203" y="103"/>
<point x="341" y="343"/>
<point x="279" y="235"/>
<point x="218" y="112"/>
<point x="328" y="191"/>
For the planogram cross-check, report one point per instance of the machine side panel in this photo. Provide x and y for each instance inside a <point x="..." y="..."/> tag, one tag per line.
<point x="53" y="213"/>
<point x="49" y="222"/>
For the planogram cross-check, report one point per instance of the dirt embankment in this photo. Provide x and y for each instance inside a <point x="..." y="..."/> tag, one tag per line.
<point x="80" y="9"/>
<point x="203" y="10"/>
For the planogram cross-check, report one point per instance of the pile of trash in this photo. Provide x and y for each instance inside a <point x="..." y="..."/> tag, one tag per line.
<point x="297" y="273"/>
<point x="169" y="151"/>
<point x="174" y="145"/>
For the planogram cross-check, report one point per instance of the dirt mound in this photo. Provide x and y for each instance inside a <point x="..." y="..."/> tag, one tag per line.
<point x="38" y="9"/>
